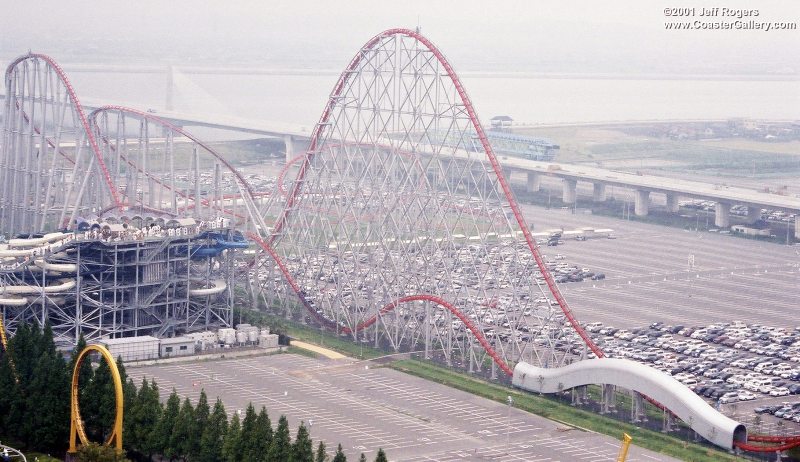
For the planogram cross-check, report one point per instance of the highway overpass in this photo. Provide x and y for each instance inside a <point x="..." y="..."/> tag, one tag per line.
<point x="296" y="138"/>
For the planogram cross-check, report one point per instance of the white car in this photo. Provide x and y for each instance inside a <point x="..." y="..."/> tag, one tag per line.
<point x="746" y="396"/>
<point x="729" y="398"/>
<point x="779" y="391"/>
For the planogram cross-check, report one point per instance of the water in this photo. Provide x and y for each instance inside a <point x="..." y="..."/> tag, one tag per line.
<point x="534" y="100"/>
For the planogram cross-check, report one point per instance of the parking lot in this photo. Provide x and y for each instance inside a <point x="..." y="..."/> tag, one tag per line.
<point x="692" y="279"/>
<point x="656" y="273"/>
<point x="366" y="408"/>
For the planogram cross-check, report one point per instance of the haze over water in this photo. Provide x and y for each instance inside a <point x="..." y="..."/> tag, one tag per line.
<point x="534" y="100"/>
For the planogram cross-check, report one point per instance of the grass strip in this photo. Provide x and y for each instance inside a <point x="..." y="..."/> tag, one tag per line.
<point x="655" y="441"/>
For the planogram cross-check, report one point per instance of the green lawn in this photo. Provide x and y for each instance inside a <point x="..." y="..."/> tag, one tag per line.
<point x="655" y="441"/>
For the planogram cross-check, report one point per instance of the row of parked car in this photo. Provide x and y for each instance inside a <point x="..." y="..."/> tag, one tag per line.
<point x="786" y="411"/>
<point x="724" y="362"/>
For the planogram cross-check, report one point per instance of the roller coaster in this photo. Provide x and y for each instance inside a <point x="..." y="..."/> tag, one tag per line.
<point x="395" y="230"/>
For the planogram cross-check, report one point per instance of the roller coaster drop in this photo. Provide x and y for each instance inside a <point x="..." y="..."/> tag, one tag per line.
<point x="392" y="214"/>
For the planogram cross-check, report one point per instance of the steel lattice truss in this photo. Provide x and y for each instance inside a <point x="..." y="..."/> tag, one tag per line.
<point x="47" y="151"/>
<point x="159" y="168"/>
<point x="150" y="213"/>
<point x="396" y="230"/>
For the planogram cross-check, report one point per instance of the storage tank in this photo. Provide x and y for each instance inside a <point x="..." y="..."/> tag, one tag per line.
<point x="252" y="335"/>
<point x="267" y="340"/>
<point x="227" y="335"/>
<point x="241" y="337"/>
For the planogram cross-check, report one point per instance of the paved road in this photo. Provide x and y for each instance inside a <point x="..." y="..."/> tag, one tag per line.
<point x="367" y="408"/>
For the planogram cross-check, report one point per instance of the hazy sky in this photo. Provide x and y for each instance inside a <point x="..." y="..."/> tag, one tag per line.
<point x="626" y="36"/>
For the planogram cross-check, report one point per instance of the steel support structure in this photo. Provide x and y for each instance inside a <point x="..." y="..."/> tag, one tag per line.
<point x="397" y="230"/>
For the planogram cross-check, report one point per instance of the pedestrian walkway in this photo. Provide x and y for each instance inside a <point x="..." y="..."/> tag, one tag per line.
<point x="330" y="354"/>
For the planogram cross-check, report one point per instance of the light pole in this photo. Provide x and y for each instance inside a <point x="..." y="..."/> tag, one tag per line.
<point x="510" y="402"/>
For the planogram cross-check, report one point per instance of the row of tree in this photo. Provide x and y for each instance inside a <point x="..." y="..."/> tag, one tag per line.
<point x="34" y="410"/>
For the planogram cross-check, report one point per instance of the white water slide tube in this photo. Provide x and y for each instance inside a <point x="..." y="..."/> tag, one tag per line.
<point x="701" y="417"/>
<point x="62" y="286"/>
<point x="34" y="246"/>
<point x="218" y="287"/>
<point x="13" y="301"/>
<point x="59" y="267"/>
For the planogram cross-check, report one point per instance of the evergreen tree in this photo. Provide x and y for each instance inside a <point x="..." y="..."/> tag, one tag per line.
<point x="321" y="455"/>
<point x="85" y="375"/>
<point x="129" y="410"/>
<point x="145" y="417"/>
<point x="261" y="439"/>
<point x="381" y="457"/>
<point x="49" y="396"/>
<point x="19" y="347"/>
<point x="363" y="458"/>
<point x="184" y="434"/>
<point x="7" y="392"/>
<point x="232" y="446"/>
<point x="213" y="435"/>
<point x="201" y="416"/>
<point x="302" y="449"/>
<point x="281" y="446"/>
<point x="250" y="444"/>
<point x="339" y="456"/>
<point x="99" y="408"/>
<point x="163" y="442"/>
<point x="130" y="404"/>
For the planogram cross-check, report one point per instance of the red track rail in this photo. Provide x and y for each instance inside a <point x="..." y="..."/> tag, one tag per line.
<point x="487" y="147"/>
<point x="386" y="309"/>
<point x="783" y="442"/>
<point x="159" y="121"/>
<point x="81" y="115"/>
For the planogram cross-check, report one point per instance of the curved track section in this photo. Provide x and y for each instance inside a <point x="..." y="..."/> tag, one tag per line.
<point x="362" y="229"/>
<point x="400" y="193"/>
<point x="47" y="149"/>
<point x="157" y="166"/>
<point x="386" y="309"/>
<point x="684" y="403"/>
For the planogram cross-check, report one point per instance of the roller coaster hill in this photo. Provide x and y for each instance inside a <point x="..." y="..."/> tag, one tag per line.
<point x="390" y="232"/>
<point x="114" y="224"/>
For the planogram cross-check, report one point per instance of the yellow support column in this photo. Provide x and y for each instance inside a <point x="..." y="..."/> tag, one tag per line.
<point x="623" y="451"/>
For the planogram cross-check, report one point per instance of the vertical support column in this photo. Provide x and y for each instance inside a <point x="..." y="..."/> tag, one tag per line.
<point x="638" y="413"/>
<point x="672" y="203"/>
<point x="668" y="422"/>
<point x="722" y="214"/>
<point x="569" y="191"/>
<point x="641" y="203"/>
<point x="797" y="226"/>
<point x="599" y="193"/>
<point x="534" y="182"/>
<point x="289" y="147"/>
<point x="607" y="399"/>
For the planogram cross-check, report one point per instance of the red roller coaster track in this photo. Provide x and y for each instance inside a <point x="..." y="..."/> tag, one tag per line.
<point x="81" y="115"/>
<point x="757" y="443"/>
<point x="487" y="147"/>
<point x="779" y="443"/>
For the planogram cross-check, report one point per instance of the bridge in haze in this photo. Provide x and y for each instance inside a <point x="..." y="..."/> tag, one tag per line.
<point x="296" y="138"/>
